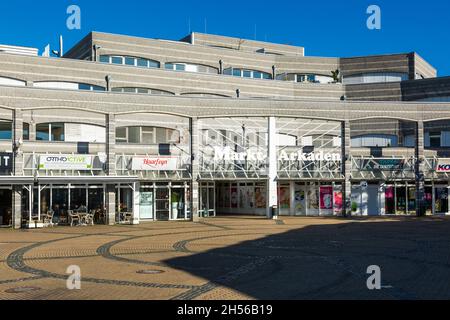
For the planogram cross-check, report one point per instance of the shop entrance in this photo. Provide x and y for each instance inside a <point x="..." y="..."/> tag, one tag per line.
<point x="164" y="202"/>
<point x="207" y="199"/>
<point x="5" y="207"/>
<point x="400" y="199"/>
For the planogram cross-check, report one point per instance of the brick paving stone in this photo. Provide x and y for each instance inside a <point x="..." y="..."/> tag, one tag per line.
<point x="231" y="258"/>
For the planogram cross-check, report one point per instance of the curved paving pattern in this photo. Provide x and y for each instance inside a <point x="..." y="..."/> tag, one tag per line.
<point x="231" y="258"/>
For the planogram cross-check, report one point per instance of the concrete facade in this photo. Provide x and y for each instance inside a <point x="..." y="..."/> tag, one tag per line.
<point x="201" y="105"/>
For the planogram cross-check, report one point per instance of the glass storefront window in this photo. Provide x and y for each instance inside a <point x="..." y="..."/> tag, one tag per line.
<point x="78" y="199"/>
<point x="96" y="199"/>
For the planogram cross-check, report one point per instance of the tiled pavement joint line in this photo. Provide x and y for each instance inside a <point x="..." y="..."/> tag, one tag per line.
<point x="215" y="226"/>
<point x="15" y="261"/>
<point x="20" y="280"/>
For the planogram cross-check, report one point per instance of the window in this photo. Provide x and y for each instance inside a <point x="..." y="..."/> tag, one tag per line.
<point x="435" y="139"/>
<point x="246" y="73"/>
<point x="117" y="60"/>
<point x="147" y="135"/>
<point x="375" y="77"/>
<point x="130" y="61"/>
<point x="121" y="134"/>
<point x="104" y="59"/>
<point x="26" y="131"/>
<point x="141" y="91"/>
<point x="42" y="133"/>
<point x="50" y="132"/>
<point x="142" y="63"/>
<point x="5" y="130"/>
<point x="375" y="140"/>
<point x="134" y="135"/>
<point x="68" y="86"/>
<point x="57" y="131"/>
<point x="179" y="66"/>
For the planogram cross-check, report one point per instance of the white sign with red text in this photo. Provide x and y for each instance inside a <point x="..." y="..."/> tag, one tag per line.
<point x="443" y="166"/>
<point x="154" y="163"/>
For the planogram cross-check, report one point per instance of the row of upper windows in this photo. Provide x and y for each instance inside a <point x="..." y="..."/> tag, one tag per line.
<point x="78" y="132"/>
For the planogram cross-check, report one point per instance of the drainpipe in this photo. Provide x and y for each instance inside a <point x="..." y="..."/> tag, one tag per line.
<point x="108" y="79"/>
<point x="220" y="67"/>
<point x="273" y="72"/>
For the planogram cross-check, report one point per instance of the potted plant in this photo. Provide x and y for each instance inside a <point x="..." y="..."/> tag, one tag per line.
<point x="335" y="76"/>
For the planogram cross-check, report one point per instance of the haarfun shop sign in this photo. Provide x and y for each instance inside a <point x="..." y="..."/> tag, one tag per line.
<point x="154" y="163"/>
<point x="226" y="154"/>
<point x="65" y="162"/>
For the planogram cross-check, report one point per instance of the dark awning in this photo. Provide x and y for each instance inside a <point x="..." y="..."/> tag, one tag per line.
<point x="88" y="179"/>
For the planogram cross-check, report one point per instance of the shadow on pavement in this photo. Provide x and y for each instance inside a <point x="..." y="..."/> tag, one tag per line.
<point x="328" y="262"/>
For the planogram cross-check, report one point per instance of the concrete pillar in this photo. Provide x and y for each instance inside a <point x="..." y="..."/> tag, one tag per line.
<point x="272" y="185"/>
<point x="110" y="196"/>
<point x="17" y="137"/>
<point x="420" y="169"/>
<point x="136" y="202"/>
<point x="110" y="144"/>
<point x="32" y="131"/>
<point x="346" y="168"/>
<point x="195" y="167"/>
<point x="17" y="206"/>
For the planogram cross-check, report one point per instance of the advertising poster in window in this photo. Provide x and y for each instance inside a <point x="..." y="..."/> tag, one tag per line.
<point x="389" y="195"/>
<point x="326" y="200"/>
<point x="146" y="205"/>
<point x="285" y="199"/>
<point x="313" y="200"/>
<point x="260" y="197"/>
<point x="356" y="200"/>
<point x="300" y="200"/>
<point x="338" y="200"/>
<point x="234" y="197"/>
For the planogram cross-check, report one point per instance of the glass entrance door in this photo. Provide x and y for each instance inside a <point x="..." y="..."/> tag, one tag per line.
<point x="207" y="199"/>
<point x="146" y="204"/>
<point x="178" y="204"/>
<point x="162" y="203"/>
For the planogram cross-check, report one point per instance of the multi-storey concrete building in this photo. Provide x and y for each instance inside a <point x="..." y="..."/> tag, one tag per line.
<point x="129" y="129"/>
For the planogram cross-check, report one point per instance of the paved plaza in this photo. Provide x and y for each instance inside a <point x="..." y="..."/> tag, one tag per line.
<point x="231" y="258"/>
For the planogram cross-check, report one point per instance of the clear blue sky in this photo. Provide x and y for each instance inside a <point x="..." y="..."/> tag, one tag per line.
<point x="324" y="27"/>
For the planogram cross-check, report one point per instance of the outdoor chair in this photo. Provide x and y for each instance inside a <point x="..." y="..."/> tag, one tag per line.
<point x="127" y="217"/>
<point x="89" y="219"/>
<point x="73" y="217"/>
<point x="47" y="218"/>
